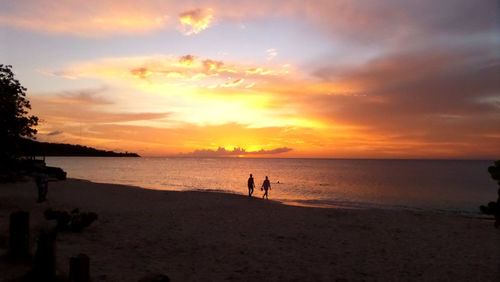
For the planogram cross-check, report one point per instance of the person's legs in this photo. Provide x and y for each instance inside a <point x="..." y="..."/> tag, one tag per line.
<point x="45" y="190"/>
<point x="40" y="193"/>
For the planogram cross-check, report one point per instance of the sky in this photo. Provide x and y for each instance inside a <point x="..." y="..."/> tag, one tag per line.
<point x="294" y="79"/>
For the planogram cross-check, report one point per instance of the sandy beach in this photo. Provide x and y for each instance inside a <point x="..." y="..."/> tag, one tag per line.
<point x="203" y="236"/>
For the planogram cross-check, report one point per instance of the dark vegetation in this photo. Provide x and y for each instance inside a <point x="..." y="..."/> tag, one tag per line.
<point x="493" y="208"/>
<point x="74" y="221"/>
<point x="29" y="147"/>
<point x="15" y="123"/>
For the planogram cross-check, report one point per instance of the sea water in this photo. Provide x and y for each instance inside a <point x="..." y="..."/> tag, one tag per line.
<point x="442" y="185"/>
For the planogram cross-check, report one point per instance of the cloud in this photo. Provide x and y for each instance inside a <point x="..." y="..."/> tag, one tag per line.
<point x="429" y="85"/>
<point x="422" y="101"/>
<point x="271" y="53"/>
<point x="375" y="22"/>
<point x="64" y="74"/>
<point x="84" y="18"/>
<point x="195" y="21"/>
<point x="413" y="103"/>
<point x="186" y="60"/>
<point x="212" y="65"/>
<point x="222" y="152"/>
<point x="91" y="96"/>
<point x="84" y="106"/>
<point x="141" y="72"/>
<point x="260" y="71"/>
<point x="270" y="152"/>
<point x="426" y="81"/>
<point x="233" y="83"/>
<point x="54" y="133"/>
<point x="172" y="70"/>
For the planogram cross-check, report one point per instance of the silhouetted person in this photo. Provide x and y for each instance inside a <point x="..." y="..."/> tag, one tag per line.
<point x="42" y="182"/>
<point x="265" y="186"/>
<point x="251" y="185"/>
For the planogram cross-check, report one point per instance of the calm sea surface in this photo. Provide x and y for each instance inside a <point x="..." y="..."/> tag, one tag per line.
<point x="445" y="185"/>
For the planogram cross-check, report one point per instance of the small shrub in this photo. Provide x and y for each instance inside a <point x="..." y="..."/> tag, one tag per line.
<point x="493" y="208"/>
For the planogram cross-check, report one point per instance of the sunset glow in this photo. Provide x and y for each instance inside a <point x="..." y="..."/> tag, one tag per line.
<point x="322" y="79"/>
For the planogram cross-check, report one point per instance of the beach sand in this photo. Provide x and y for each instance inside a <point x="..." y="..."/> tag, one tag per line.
<point x="203" y="236"/>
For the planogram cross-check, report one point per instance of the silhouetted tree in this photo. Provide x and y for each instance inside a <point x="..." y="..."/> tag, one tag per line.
<point x="15" y="123"/>
<point x="493" y="208"/>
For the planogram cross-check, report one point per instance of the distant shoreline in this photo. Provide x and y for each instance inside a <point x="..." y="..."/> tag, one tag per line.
<point x="118" y="155"/>
<point x="35" y="148"/>
<point x="294" y="158"/>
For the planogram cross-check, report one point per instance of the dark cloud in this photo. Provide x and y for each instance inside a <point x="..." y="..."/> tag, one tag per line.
<point x="270" y="152"/>
<point x="84" y="96"/>
<point x="404" y="22"/>
<point x="126" y="117"/>
<point x="443" y="98"/>
<point x="221" y="152"/>
<point x="444" y="82"/>
<point x="187" y="59"/>
<point x="53" y="133"/>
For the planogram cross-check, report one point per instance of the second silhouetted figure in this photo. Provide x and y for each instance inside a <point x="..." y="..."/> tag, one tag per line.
<point x="265" y="186"/>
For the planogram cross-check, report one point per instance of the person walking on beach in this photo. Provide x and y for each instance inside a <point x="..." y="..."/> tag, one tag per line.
<point x="251" y="185"/>
<point x="265" y="186"/>
<point x="42" y="183"/>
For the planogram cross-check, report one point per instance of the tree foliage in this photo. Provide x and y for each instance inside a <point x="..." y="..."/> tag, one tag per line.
<point x="15" y="122"/>
<point x="493" y="208"/>
<point x="494" y="171"/>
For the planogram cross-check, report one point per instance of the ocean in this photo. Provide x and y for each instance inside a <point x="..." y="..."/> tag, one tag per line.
<point x="452" y="186"/>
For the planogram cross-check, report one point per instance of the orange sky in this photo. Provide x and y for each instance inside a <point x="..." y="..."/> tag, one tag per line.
<point x="322" y="79"/>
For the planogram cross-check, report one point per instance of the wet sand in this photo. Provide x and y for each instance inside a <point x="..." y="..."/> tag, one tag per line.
<point x="195" y="236"/>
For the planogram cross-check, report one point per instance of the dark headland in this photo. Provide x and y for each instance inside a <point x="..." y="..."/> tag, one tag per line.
<point x="35" y="148"/>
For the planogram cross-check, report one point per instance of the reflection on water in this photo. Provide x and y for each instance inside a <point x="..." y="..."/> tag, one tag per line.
<point x="424" y="184"/>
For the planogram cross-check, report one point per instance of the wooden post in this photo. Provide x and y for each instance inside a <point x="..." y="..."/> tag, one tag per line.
<point x="79" y="268"/>
<point x="155" y="278"/>
<point x="45" y="257"/>
<point x="19" y="246"/>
